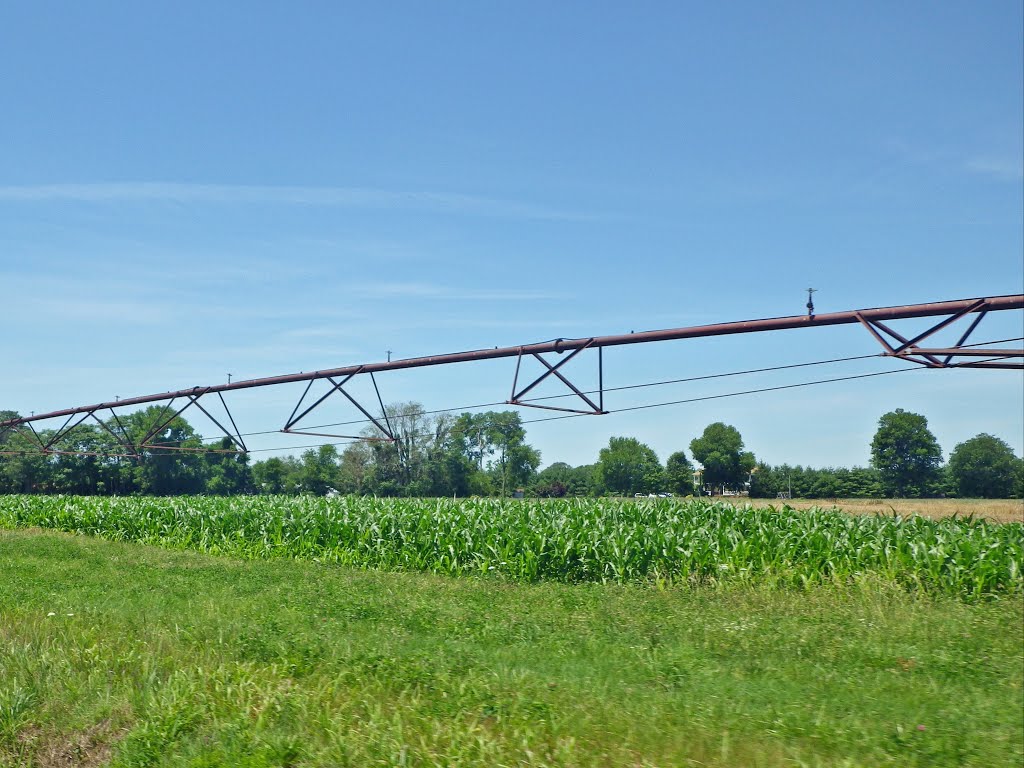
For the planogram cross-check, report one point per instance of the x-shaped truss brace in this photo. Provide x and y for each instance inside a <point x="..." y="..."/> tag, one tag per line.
<point x="593" y="408"/>
<point x="338" y="386"/>
<point x="897" y="345"/>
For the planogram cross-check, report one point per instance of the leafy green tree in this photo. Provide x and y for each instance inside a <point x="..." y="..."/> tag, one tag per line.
<point x="628" y="466"/>
<point x="401" y="465"/>
<point x="720" y="450"/>
<point x="587" y="481"/>
<point x="78" y="469"/>
<point x="906" y="455"/>
<point x="319" y="473"/>
<point x="766" y="482"/>
<point x="679" y="474"/>
<point x="228" y="474"/>
<point x="983" y="467"/>
<point x="171" y="463"/>
<point x="276" y="475"/>
<point x="553" y="481"/>
<point x="861" y="483"/>
<point x="452" y="474"/>
<point x="560" y="479"/>
<point x="515" y="467"/>
<point x="24" y="469"/>
<point x="496" y="442"/>
<point x="355" y="468"/>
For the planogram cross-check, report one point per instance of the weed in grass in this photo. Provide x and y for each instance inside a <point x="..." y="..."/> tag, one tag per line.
<point x="16" y="703"/>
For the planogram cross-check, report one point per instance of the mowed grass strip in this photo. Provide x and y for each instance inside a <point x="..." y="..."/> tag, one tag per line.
<point x="138" y="656"/>
<point x="581" y="540"/>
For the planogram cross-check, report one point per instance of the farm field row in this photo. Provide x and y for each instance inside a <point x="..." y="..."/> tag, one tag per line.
<point x="121" y="654"/>
<point x="585" y="540"/>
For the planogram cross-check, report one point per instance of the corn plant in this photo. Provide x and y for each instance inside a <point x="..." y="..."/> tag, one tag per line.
<point x="567" y="540"/>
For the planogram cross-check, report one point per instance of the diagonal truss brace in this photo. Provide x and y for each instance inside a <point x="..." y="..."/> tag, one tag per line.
<point x="193" y="399"/>
<point x="339" y="386"/>
<point x="134" y="450"/>
<point x="122" y="437"/>
<point x="47" y="447"/>
<point x="595" y="409"/>
<point x="897" y="345"/>
<point x="32" y="436"/>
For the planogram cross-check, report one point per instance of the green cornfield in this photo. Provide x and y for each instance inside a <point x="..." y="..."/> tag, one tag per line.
<point x="605" y="540"/>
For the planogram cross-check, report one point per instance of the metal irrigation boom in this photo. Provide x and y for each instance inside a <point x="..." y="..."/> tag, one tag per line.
<point x="873" y="320"/>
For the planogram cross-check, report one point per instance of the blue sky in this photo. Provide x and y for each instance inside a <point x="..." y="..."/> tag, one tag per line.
<point x="191" y="189"/>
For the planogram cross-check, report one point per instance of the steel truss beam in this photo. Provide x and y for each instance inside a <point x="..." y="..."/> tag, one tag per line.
<point x="596" y="409"/>
<point x="161" y="423"/>
<point x="873" y="320"/>
<point x="338" y="386"/>
<point x="132" y="449"/>
<point x="897" y="345"/>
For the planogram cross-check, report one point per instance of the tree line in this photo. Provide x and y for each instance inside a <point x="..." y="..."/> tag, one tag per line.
<point x="486" y="454"/>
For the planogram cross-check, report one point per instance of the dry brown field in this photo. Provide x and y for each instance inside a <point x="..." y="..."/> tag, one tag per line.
<point x="997" y="510"/>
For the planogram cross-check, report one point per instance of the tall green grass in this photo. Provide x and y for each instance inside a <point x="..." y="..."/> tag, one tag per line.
<point x="565" y="540"/>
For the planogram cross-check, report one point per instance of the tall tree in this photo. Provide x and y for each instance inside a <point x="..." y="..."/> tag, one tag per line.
<point x="679" y="474"/>
<point x="319" y="474"/>
<point x="449" y="471"/>
<point x="906" y="454"/>
<point x="171" y="463"/>
<point x="983" y="467"/>
<point x="496" y="442"/>
<point x="227" y="470"/>
<point x="356" y="467"/>
<point x="628" y="466"/>
<point x="276" y="475"/>
<point x="720" y="450"/>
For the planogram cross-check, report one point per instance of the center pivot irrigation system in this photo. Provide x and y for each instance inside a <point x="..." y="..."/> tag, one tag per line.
<point x="967" y="312"/>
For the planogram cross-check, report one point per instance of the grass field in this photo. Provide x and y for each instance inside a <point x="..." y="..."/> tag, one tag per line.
<point x="130" y="655"/>
<point x="310" y="632"/>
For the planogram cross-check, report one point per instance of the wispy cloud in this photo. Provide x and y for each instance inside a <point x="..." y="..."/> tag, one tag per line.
<point x="243" y="194"/>
<point x="999" y="165"/>
<point x="1001" y="168"/>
